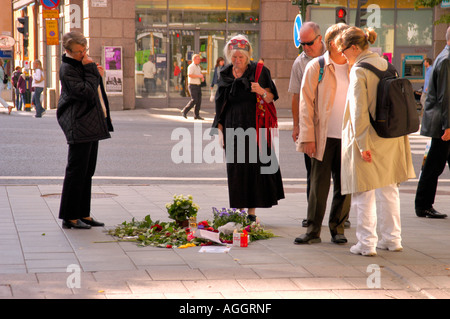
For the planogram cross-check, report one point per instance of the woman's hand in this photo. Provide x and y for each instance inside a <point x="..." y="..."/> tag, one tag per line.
<point x="256" y="88"/>
<point x="221" y="138"/>
<point x="87" y="59"/>
<point x="101" y="70"/>
<point x="367" y="156"/>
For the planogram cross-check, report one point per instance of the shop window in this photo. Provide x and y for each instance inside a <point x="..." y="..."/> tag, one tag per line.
<point x="197" y="12"/>
<point x="414" y="27"/>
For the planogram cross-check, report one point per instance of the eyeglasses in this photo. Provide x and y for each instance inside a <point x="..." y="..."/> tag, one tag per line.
<point x="80" y="52"/>
<point x="242" y="41"/>
<point x="348" y="47"/>
<point x="310" y="43"/>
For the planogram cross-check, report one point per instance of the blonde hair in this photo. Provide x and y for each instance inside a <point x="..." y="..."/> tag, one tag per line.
<point x="333" y="32"/>
<point x="39" y="63"/>
<point x="356" y="36"/>
<point x="229" y="53"/>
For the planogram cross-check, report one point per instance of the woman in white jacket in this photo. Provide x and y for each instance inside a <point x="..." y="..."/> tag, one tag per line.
<point x="372" y="166"/>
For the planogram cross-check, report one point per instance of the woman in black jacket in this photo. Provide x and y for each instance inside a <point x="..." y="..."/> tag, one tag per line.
<point x="83" y="114"/>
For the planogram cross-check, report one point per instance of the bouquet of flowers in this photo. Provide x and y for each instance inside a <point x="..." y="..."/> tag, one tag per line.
<point x="225" y="216"/>
<point x="181" y="208"/>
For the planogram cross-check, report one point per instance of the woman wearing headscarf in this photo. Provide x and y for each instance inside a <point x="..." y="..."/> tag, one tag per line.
<point x="254" y="177"/>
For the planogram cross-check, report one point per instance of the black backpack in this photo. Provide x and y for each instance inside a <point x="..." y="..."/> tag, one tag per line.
<point x="396" y="109"/>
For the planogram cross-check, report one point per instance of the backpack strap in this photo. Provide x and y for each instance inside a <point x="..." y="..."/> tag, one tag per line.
<point x="322" y="64"/>
<point x="390" y="69"/>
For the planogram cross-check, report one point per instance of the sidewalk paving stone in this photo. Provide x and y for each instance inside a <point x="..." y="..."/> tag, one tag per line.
<point x="35" y="252"/>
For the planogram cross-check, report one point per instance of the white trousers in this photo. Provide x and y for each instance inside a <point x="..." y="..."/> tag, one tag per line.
<point x="382" y="202"/>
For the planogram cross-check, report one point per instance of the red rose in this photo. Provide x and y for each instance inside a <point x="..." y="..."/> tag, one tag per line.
<point x="169" y="246"/>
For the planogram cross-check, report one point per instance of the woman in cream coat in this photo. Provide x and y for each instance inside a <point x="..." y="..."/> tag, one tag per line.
<point x="372" y="167"/>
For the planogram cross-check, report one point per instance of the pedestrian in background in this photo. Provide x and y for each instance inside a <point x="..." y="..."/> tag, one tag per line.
<point x="216" y="75"/>
<point x="428" y="63"/>
<point x="313" y="46"/>
<point x="83" y="114"/>
<point x="22" y="87"/>
<point x="149" y="69"/>
<point x="195" y="79"/>
<point x="2" y="85"/>
<point x="435" y="124"/>
<point x="372" y="166"/>
<point x="322" y="102"/>
<point x="18" y="101"/>
<point x="236" y="103"/>
<point x="38" y="87"/>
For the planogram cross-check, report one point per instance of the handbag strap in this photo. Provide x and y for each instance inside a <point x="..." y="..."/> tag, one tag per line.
<point x="259" y="67"/>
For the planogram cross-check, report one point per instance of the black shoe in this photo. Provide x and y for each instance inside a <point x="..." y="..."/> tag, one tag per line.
<point x="307" y="239"/>
<point x="305" y="223"/>
<point x="347" y="224"/>
<point x="198" y="118"/>
<point x="92" y="222"/>
<point x="339" y="239"/>
<point x="251" y="218"/>
<point x="430" y="213"/>
<point x="78" y="225"/>
<point x="183" y="114"/>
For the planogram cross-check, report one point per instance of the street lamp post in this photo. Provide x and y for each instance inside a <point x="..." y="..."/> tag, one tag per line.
<point x="302" y="5"/>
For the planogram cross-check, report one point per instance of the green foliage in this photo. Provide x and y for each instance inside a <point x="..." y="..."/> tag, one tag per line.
<point x="431" y="4"/>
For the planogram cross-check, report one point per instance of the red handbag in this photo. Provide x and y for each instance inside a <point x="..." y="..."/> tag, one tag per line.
<point x="266" y="114"/>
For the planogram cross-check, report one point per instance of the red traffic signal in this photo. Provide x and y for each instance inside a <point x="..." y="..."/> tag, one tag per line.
<point x="341" y="14"/>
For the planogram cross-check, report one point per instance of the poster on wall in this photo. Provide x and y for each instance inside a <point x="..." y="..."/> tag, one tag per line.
<point x="112" y="57"/>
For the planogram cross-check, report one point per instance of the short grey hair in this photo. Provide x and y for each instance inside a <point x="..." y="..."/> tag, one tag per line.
<point x="311" y="25"/>
<point x="73" y="37"/>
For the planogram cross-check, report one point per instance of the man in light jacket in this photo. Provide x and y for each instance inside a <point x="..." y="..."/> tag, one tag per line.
<point x="321" y="111"/>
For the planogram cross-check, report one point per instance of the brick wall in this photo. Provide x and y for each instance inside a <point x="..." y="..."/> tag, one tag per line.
<point x="114" y="25"/>
<point x="277" y="46"/>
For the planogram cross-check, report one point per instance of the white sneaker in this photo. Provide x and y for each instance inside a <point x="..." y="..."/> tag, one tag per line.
<point x="392" y="247"/>
<point x="357" y="250"/>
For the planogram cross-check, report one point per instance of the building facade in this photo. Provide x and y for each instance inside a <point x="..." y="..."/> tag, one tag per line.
<point x="123" y="35"/>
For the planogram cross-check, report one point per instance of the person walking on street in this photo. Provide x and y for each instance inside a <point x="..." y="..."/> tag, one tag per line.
<point x="435" y="124"/>
<point x="2" y="85"/>
<point x="195" y="79"/>
<point x="18" y="101"/>
<point x="322" y="102"/>
<point x="38" y="86"/>
<point x="83" y="114"/>
<point x="313" y="46"/>
<point x="372" y="166"/>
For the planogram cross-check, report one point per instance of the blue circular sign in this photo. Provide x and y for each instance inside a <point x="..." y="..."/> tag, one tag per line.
<point x="297" y="26"/>
<point x="50" y="4"/>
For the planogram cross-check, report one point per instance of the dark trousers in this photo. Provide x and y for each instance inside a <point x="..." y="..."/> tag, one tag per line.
<point x="321" y="173"/>
<point x="196" y="100"/>
<point x="438" y="156"/>
<point x="76" y="193"/>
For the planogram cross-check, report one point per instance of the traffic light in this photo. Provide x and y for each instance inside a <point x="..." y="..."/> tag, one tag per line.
<point x="23" y="26"/>
<point x="341" y="14"/>
<point x="361" y="20"/>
